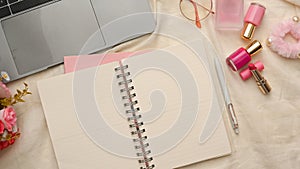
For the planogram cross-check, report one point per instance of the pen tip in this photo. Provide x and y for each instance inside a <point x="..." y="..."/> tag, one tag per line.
<point x="236" y="131"/>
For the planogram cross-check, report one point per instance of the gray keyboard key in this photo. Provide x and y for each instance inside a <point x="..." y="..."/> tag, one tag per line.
<point x="4" y="12"/>
<point x="12" y="1"/>
<point x="3" y="3"/>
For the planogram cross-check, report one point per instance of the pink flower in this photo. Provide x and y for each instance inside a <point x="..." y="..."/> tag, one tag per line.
<point x="2" y="127"/>
<point x="9" y="117"/>
<point x="11" y="141"/>
<point x="4" y="91"/>
<point x="3" y="144"/>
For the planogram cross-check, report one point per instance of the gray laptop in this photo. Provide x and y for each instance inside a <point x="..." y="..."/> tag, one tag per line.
<point x="36" y="34"/>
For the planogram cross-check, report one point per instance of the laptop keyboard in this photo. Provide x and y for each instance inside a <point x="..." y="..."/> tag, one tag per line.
<point x="12" y="7"/>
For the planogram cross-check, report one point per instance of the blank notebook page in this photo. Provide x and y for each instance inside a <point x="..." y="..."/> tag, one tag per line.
<point x="89" y="125"/>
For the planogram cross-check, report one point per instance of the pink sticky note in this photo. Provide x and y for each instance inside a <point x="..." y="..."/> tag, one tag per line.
<point x="75" y="63"/>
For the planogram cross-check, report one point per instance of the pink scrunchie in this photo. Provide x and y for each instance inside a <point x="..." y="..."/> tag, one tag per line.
<point x="278" y="44"/>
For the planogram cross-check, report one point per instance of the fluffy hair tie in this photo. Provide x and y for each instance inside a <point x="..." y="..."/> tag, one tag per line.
<point x="276" y="39"/>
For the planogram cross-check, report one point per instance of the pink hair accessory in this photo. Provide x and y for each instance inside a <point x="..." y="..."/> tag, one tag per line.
<point x="276" y="40"/>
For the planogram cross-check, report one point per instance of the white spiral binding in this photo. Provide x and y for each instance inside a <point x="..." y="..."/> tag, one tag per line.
<point x="134" y="117"/>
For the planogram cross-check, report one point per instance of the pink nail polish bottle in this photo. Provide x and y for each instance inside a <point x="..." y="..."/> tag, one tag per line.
<point x="252" y="19"/>
<point x="229" y="14"/>
<point x="242" y="56"/>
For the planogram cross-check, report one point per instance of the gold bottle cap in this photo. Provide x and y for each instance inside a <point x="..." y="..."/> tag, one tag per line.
<point x="254" y="47"/>
<point x="248" y="31"/>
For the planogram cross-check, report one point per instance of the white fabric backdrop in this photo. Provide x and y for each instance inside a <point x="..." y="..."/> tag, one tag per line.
<point x="269" y="125"/>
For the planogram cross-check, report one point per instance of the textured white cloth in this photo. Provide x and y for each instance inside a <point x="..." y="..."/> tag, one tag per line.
<point x="296" y="2"/>
<point x="269" y="125"/>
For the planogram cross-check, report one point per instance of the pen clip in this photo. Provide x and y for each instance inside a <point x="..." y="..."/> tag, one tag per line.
<point x="233" y="118"/>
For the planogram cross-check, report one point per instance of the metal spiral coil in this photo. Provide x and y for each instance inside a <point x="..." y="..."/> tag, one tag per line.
<point x="149" y="167"/>
<point x="130" y="96"/>
<point x="138" y="147"/>
<point x="135" y="125"/>
<point x="135" y="110"/>
<point x="142" y="139"/>
<point x="134" y="117"/>
<point x="131" y="104"/>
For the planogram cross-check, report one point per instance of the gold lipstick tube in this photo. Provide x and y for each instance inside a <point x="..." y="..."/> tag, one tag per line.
<point x="261" y="82"/>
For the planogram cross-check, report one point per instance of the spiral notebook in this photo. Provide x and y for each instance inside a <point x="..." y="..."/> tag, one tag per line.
<point x="146" y="111"/>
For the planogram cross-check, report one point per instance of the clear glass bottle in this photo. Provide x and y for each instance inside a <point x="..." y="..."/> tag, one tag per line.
<point x="229" y="14"/>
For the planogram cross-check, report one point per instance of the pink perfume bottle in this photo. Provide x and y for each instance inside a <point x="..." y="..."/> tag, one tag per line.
<point x="229" y="14"/>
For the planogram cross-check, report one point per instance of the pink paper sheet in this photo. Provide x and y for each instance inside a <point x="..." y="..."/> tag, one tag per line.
<point x="75" y="63"/>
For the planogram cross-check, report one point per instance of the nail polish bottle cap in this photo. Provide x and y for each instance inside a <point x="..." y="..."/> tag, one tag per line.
<point x="246" y="73"/>
<point x="255" y="14"/>
<point x="254" y="47"/>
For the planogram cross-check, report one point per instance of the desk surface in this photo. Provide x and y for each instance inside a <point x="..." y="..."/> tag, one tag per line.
<point x="269" y="125"/>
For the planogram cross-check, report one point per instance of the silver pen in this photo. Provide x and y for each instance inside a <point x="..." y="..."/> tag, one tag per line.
<point x="229" y="105"/>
